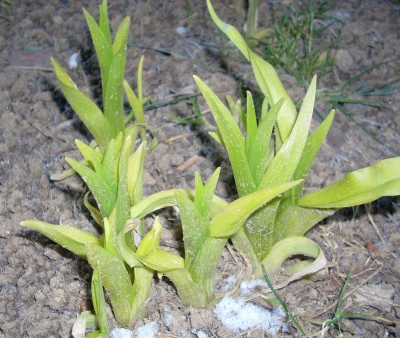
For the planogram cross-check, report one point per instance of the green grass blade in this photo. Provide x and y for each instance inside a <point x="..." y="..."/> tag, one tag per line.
<point x="70" y="238"/>
<point x="282" y="304"/>
<point x="233" y="139"/>
<point x="359" y="187"/>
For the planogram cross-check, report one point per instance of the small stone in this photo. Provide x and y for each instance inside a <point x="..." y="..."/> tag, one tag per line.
<point x="343" y="60"/>
<point x="58" y="19"/>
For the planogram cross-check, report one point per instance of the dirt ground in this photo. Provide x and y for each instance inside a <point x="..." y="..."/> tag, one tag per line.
<point x="42" y="285"/>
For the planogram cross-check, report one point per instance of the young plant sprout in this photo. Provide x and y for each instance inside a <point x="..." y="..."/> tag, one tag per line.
<point x="274" y="232"/>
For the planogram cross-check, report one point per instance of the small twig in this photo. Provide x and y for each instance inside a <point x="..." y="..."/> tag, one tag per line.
<point x="368" y="207"/>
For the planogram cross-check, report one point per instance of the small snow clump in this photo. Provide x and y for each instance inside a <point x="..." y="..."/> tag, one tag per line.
<point x="237" y="315"/>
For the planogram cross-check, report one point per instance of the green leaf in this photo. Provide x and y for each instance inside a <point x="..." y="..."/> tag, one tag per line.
<point x="86" y="109"/>
<point x="102" y="45"/>
<point x="101" y="190"/>
<point x="359" y="187"/>
<point x="162" y="261"/>
<point x="99" y="303"/>
<point x="113" y="96"/>
<point x="259" y="151"/>
<point x="266" y="77"/>
<point x="297" y="220"/>
<point x="94" y="212"/>
<point x="311" y="149"/>
<point x="104" y="22"/>
<point x="167" y="198"/>
<point x="152" y="239"/>
<point x="205" y="264"/>
<point x="231" y="218"/>
<point x="195" y="228"/>
<point x="251" y="124"/>
<point x="70" y="238"/>
<point x="287" y="159"/>
<point x="123" y="201"/>
<point x="190" y="293"/>
<point x="115" y="279"/>
<point x="135" y="174"/>
<point x="203" y="204"/>
<point x="233" y="139"/>
<point x="297" y="245"/>
<point x="121" y="38"/>
<point x="92" y="156"/>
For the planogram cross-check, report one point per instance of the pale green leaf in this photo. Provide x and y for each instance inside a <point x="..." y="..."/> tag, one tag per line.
<point x="359" y="187"/>
<point x="152" y="239"/>
<point x="70" y="238"/>
<point x="94" y="212"/>
<point x="123" y="201"/>
<point x="92" y="156"/>
<point x="292" y="246"/>
<point x="115" y="280"/>
<point x="311" y="149"/>
<point x="113" y="96"/>
<point x="265" y="74"/>
<point x="297" y="220"/>
<point x="85" y="108"/>
<point x="233" y="139"/>
<point x="259" y="151"/>
<point x="286" y="160"/>
<point x="135" y="174"/>
<point x="203" y="204"/>
<point x="251" y="124"/>
<point x="231" y="218"/>
<point x="162" y="261"/>
<point x="102" y="192"/>
<point x="195" y="228"/>
<point x="102" y="45"/>
<point x="167" y="198"/>
<point x="98" y="300"/>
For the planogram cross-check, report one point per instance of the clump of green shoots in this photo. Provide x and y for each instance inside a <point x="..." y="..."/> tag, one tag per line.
<point x="271" y="153"/>
<point x="259" y="160"/>
<point x="113" y="172"/>
<point x="207" y="224"/>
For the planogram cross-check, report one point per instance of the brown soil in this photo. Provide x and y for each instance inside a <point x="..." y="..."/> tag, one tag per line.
<point x="42" y="285"/>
